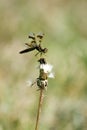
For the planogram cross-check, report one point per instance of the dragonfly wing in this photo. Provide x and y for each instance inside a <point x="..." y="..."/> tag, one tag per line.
<point x="27" y="50"/>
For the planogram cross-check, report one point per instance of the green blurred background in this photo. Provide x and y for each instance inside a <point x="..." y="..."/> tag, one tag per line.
<point x="64" y="23"/>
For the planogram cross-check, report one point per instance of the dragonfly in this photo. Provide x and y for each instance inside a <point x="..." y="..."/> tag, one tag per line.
<point x="35" y="44"/>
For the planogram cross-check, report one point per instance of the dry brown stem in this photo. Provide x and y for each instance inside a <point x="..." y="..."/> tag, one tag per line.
<point x="39" y="109"/>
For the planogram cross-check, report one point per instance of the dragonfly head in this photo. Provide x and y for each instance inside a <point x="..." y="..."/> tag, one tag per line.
<point x="45" y="50"/>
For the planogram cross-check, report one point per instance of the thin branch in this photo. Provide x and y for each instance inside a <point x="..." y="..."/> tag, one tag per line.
<point x="39" y="108"/>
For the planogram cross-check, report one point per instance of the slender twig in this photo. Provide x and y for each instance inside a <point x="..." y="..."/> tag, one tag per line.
<point x="39" y="109"/>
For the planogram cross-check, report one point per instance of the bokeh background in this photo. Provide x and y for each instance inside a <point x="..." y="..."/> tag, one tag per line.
<point x="64" y="23"/>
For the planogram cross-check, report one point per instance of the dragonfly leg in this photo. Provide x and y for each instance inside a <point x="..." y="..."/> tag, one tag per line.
<point x="27" y="44"/>
<point x="37" y="53"/>
<point x="41" y="54"/>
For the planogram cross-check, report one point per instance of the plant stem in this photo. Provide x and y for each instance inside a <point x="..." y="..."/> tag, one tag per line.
<point x="39" y="108"/>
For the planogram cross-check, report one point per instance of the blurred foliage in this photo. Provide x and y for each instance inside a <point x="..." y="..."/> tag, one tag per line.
<point x="64" y="23"/>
